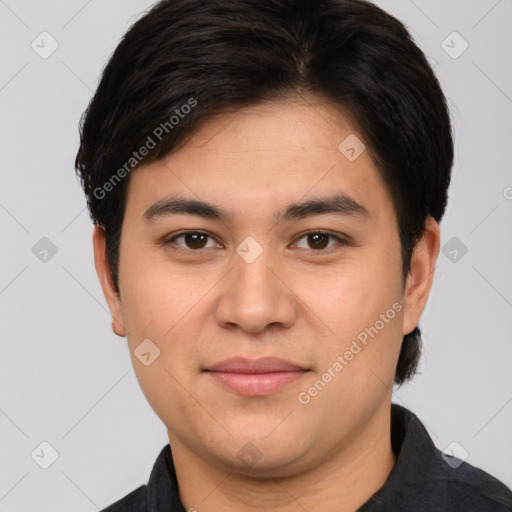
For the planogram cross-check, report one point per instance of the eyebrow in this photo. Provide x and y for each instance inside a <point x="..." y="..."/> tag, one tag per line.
<point x="339" y="204"/>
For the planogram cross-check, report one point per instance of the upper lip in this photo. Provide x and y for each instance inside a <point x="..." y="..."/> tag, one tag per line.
<point x="262" y="365"/>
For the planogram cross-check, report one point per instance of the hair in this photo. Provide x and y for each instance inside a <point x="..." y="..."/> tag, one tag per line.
<point x="223" y="55"/>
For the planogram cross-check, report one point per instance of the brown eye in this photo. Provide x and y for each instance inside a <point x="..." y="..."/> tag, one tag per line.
<point x="193" y="240"/>
<point x="319" y="241"/>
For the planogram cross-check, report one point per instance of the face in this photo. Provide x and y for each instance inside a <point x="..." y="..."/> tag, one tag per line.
<point x="283" y="246"/>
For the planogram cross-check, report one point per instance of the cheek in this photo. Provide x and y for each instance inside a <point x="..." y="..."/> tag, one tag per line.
<point x="351" y="297"/>
<point x="157" y="296"/>
<point x="163" y="306"/>
<point x="364" y="312"/>
<point x="362" y="305"/>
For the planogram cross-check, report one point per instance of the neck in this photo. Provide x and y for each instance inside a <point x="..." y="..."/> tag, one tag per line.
<point x="342" y="484"/>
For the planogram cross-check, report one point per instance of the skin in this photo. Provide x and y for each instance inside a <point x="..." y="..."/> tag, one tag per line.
<point x="295" y="301"/>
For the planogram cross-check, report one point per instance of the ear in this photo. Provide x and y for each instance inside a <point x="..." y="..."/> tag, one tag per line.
<point x="105" y="277"/>
<point x="421" y="275"/>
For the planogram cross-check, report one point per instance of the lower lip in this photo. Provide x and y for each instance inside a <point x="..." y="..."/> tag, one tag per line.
<point x="256" y="384"/>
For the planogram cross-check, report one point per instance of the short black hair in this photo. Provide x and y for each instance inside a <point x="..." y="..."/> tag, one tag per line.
<point x="186" y="60"/>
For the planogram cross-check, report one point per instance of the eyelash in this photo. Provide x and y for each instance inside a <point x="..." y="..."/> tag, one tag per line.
<point x="171" y="241"/>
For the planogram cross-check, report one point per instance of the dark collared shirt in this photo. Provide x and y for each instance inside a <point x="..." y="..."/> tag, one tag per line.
<point x="422" y="480"/>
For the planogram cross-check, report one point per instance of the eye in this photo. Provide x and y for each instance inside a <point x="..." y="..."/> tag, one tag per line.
<point x="193" y="240"/>
<point x="319" y="241"/>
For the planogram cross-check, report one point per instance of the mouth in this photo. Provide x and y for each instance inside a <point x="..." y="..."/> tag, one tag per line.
<point x="258" y="377"/>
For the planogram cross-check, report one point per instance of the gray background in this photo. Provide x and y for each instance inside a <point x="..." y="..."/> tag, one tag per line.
<point x="66" y="378"/>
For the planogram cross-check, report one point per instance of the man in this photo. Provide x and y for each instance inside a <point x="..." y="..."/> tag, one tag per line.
<point x="266" y="181"/>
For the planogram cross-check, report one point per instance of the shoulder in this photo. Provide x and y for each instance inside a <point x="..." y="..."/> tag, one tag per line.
<point x="465" y="488"/>
<point x="162" y="488"/>
<point x="134" y="502"/>
<point x="425" y="479"/>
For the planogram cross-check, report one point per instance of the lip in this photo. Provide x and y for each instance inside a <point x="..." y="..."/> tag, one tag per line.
<point x="256" y="377"/>
<point x="262" y="365"/>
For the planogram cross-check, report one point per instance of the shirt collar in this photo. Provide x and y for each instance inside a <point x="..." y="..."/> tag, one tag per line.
<point x="162" y="489"/>
<point x="416" y="458"/>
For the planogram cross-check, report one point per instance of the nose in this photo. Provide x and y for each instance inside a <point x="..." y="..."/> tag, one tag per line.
<point x="256" y="295"/>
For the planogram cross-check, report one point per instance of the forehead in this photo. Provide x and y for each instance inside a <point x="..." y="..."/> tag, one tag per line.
<point x="272" y="152"/>
<point x="287" y="127"/>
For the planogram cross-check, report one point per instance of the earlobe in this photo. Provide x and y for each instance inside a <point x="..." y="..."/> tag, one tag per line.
<point x="118" y="330"/>
<point x="105" y="277"/>
<point x="421" y="275"/>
